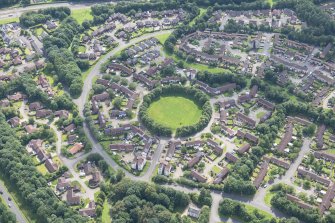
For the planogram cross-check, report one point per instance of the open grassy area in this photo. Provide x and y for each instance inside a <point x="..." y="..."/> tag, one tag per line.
<point x="8" y="20"/>
<point x="105" y="216"/>
<point x="202" y="11"/>
<point x="252" y="209"/>
<point x="162" y="37"/>
<point x="260" y="114"/>
<point x="82" y="14"/>
<point x="42" y="169"/>
<point x="174" y="112"/>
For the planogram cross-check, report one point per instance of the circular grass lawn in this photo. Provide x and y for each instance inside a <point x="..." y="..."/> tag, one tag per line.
<point x="174" y="112"/>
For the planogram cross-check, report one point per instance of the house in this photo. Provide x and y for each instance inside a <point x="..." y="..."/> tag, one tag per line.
<point x="327" y="199"/>
<point x="62" y="184"/>
<point x="250" y="137"/>
<point x="41" y="154"/>
<point x="96" y="178"/>
<point x="88" y="168"/>
<point x="101" y="97"/>
<point x="164" y="168"/>
<point x="43" y="113"/>
<point x="16" y="97"/>
<point x="216" y="148"/>
<point x="231" y="158"/>
<point x="198" y="177"/>
<point x="71" y="198"/>
<point x="287" y="137"/>
<point x="323" y="155"/>
<point x="280" y="163"/>
<point x="122" y="147"/>
<point x="261" y="174"/>
<point x="195" y="144"/>
<point x="172" y="147"/>
<point x="299" y="202"/>
<point x="245" y="119"/>
<point x="70" y="128"/>
<point x="319" y="136"/>
<point x="71" y="139"/>
<point x="51" y="25"/>
<point x="326" y="50"/>
<point x="221" y="176"/>
<point x="35" y="106"/>
<point x="138" y="163"/>
<point x="314" y="176"/>
<point x="243" y="149"/>
<point x="42" y="81"/>
<point x="193" y="212"/>
<point x="229" y="132"/>
<point x="4" y="103"/>
<point x="77" y="147"/>
<point x="101" y="120"/>
<point x="30" y="129"/>
<point x="14" y="122"/>
<point x="265" y="104"/>
<point x="122" y="68"/>
<point x="89" y="211"/>
<point x="62" y="114"/>
<point x="195" y="159"/>
<point x="51" y="166"/>
<point x="35" y="144"/>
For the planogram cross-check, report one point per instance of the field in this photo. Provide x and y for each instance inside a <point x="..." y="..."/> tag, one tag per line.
<point x="8" y="20"/>
<point x="81" y="15"/>
<point x="174" y="112"/>
<point x="162" y="37"/>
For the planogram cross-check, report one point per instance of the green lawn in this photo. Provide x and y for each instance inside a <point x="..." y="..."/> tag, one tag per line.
<point x="162" y="37"/>
<point x="82" y="49"/>
<point x="105" y="216"/>
<point x="82" y="14"/>
<point x="268" y="197"/>
<point x="251" y="209"/>
<point x="8" y="20"/>
<point x="174" y="112"/>
<point x="216" y="169"/>
<point x="42" y="169"/>
<point x="39" y="31"/>
<point x="202" y="11"/>
<point x="260" y="114"/>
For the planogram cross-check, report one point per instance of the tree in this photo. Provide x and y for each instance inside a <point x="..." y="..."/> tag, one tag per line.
<point x="117" y="103"/>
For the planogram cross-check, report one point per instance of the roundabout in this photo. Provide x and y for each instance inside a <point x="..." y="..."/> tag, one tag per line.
<point x="175" y="110"/>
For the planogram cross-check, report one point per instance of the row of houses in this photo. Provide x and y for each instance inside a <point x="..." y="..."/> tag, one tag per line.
<point x="214" y="91"/>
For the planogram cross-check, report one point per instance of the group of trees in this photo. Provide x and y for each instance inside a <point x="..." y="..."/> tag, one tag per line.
<point x="144" y="202"/>
<point x="218" y="79"/>
<point x="19" y="170"/>
<point x="321" y="27"/>
<point x="280" y="202"/>
<point x="61" y="61"/>
<point x="33" y="18"/>
<point x="231" y="208"/>
<point x="5" y="214"/>
<point x="200" y="98"/>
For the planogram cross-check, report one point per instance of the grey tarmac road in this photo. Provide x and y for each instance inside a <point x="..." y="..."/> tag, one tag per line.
<point x="13" y="207"/>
